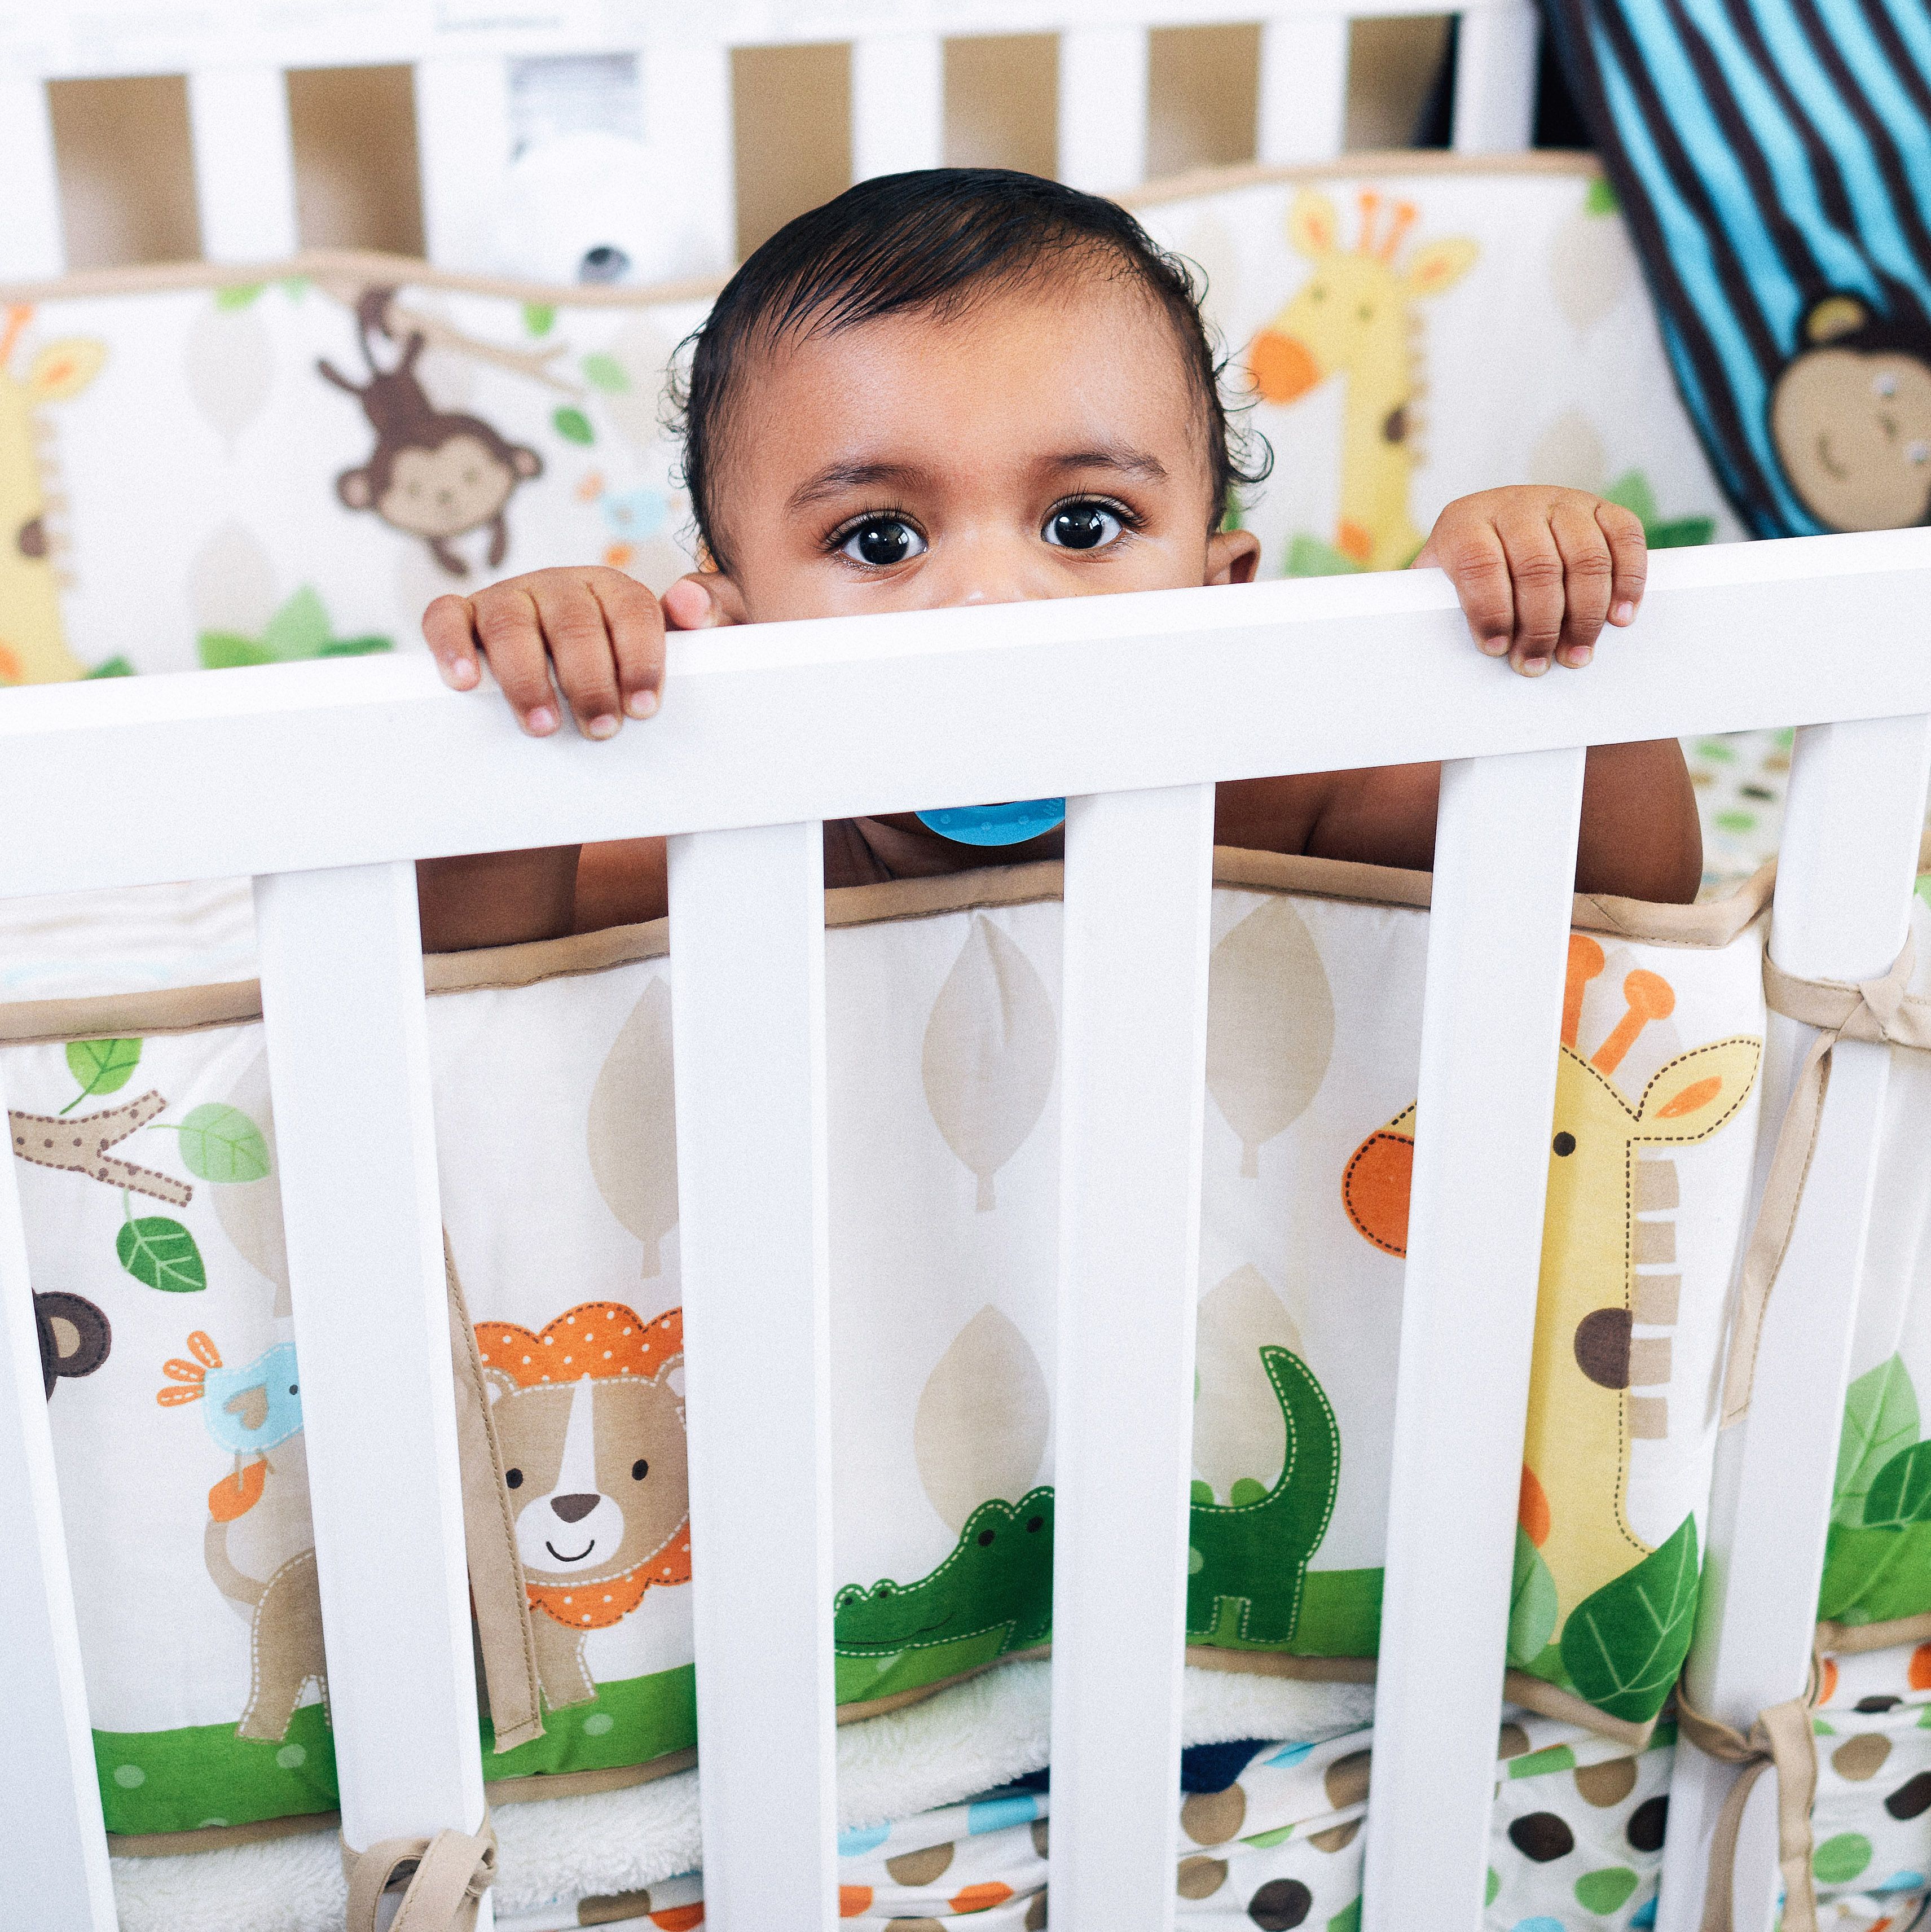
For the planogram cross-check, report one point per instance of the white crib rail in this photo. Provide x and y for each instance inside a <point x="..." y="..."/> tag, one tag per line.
<point x="1850" y="849"/>
<point x="326" y="769"/>
<point x="234" y="56"/>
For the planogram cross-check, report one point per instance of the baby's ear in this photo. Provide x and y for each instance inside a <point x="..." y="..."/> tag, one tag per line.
<point x="1233" y="556"/>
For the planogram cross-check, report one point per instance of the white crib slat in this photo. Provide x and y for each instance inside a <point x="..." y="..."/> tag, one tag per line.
<point x="1850" y="848"/>
<point x="687" y="127"/>
<point x="1103" y="108"/>
<point x="243" y="165"/>
<point x="1504" y="862"/>
<point x="1495" y="78"/>
<point x="748" y="1033"/>
<point x="347" y="1036"/>
<point x="462" y="150"/>
<point x="30" y="238"/>
<point x="898" y="103"/>
<point x="1303" y="91"/>
<point x="56" y="1850"/>
<point x="1132" y="1073"/>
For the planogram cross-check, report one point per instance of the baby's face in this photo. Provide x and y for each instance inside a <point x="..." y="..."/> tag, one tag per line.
<point x="1044" y="444"/>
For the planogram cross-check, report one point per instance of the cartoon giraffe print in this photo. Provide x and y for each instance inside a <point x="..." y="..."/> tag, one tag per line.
<point x="33" y="643"/>
<point x="1357" y="315"/>
<point x="1603" y="1273"/>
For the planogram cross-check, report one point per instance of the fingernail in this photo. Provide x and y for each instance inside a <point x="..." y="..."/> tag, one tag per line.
<point x="462" y="674"/>
<point x="1623" y="612"/>
<point x="1495" y="646"/>
<point x="1580" y="654"/>
<point x="641" y="703"/>
<point x="1532" y="666"/>
<point x="604" y="727"/>
<point x="541" y="720"/>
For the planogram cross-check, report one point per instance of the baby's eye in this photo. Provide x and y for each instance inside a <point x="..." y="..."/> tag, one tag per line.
<point x="1082" y="527"/>
<point x="882" y="541"/>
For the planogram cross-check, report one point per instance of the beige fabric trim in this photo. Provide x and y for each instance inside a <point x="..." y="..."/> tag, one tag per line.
<point x="446" y="1877"/>
<point x="1346" y="167"/>
<point x="358" y="267"/>
<point x="107" y="1016"/>
<point x="218" y="1838"/>
<point x="539" y="1785"/>
<point x="1283" y="1663"/>
<point x="1550" y="1700"/>
<point x="900" y="1700"/>
<point x="1853" y="1640"/>
<point x="497" y="1594"/>
<point x="1877" y="1011"/>
<point x="1781" y="1740"/>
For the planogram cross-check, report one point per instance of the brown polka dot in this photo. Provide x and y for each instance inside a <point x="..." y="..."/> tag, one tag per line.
<point x="1648" y="1823"/>
<point x="918" y="1868"/>
<point x="1041" y="1836"/>
<point x="1336" y="1837"/>
<point x="1213" y="1817"/>
<point x="1280" y="1904"/>
<point x="1345" y="1780"/>
<point x="1515" y="1741"/>
<point x="1606" y="1784"/>
<point x="1912" y="1798"/>
<point x="1862" y="1757"/>
<point x="914" y="1925"/>
<point x="1602" y="1347"/>
<point x="1201" y="1878"/>
<point x="1036" y="1913"/>
<point x="1870" y="1706"/>
<point x="1542" y="1836"/>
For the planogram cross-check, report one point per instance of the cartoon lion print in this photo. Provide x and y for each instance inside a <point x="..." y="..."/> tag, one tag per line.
<point x="591" y="1432"/>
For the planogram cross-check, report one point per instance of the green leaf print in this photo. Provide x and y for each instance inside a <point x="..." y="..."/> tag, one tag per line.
<point x="1880" y="1419"/>
<point x="1631" y="492"/>
<point x="1873" y="1576"/>
<point x="1601" y="198"/>
<point x="299" y="629"/>
<point x="539" y="318"/>
<point x="1624" y="1643"/>
<point x="221" y="1143"/>
<point x="101" y="1067"/>
<point x="574" y="425"/>
<point x="113" y="666"/>
<point x="229" y="650"/>
<point x="606" y="372"/>
<point x="237" y="295"/>
<point x="162" y="1254"/>
<point x="1900" y="1492"/>
<point x="1532" y="1604"/>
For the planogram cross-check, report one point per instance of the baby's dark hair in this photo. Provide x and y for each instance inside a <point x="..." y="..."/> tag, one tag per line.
<point x="936" y="240"/>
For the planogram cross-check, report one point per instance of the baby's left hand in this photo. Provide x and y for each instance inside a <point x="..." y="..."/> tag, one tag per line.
<point x="1539" y="569"/>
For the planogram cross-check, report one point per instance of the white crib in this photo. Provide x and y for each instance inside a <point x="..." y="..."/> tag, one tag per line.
<point x="324" y="781"/>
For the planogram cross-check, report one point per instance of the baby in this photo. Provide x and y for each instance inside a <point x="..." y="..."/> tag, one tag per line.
<point x="973" y="386"/>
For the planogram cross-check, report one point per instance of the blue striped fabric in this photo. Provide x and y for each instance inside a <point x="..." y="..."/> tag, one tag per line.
<point x="1773" y="159"/>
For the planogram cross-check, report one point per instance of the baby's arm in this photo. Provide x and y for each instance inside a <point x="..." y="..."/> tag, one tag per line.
<point x="1538" y="570"/>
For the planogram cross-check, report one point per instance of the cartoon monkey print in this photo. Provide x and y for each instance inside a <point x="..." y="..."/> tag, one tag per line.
<point x="432" y="474"/>
<point x="1851" y="416"/>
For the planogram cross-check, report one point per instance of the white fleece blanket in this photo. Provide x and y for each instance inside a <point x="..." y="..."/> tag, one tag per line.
<point x="981" y="1734"/>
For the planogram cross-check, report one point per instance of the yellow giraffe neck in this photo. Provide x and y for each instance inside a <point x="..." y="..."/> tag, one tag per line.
<point x="33" y="641"/>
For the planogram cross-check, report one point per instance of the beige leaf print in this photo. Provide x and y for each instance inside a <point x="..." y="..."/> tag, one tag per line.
<point x="250" y="1211"/>
<point x="1237" y="1428"/>
<point x="990" y="1047"/>
<point x="633" y="1126"/>
<point x="1269" y="1026"/>
<point x="981" y="1428"/>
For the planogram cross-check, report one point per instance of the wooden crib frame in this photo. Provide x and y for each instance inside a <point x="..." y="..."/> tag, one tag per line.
<point x="234" y="54"/>
<point x="324" y="781"/>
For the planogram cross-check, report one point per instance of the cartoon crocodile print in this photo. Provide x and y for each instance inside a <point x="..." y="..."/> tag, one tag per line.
<point x="999" y="1576"/>
<point x="1256" y="1553"/>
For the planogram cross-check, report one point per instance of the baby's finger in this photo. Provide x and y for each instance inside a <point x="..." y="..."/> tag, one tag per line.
<point x="693" y="602"/>
<point x="1585" y="579"/>
<point x="512" y="639"/>
<point x="448" y="628"/>
<point x="634" y="622"/>
<point x="1535" y="565"/>
<point x="1629" y="552"/>
<point x="581" y="647"/>
<point x="1479" y="569"/>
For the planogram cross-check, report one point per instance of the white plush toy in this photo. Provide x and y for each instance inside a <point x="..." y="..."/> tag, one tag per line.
<point x="580" y="208"/>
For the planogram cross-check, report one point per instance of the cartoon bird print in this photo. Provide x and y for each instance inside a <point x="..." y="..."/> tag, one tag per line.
<point x="433" y="474"/>
<point x="250" y="1410"/>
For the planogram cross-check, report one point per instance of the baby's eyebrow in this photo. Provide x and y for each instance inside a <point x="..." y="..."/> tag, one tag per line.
<point x="840" y="477"/>
<point x="1138" y="463"/>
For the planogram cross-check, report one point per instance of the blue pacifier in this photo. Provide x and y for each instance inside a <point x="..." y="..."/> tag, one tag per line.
<point x="997" y="824"/>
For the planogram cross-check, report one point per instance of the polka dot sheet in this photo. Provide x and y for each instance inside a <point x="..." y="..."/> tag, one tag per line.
<point x="1740" y="780"/>
<point x="1871" y="1825"/>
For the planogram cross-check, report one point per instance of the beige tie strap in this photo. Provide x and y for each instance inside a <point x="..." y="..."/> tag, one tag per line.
<point x="1877" y="1011"/>
<point x="446" y="1877"/>
<point x="1782" y="1741"/>
<point x="497" y="1594"/>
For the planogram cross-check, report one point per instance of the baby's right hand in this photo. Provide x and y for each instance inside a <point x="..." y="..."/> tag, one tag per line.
<point x="601" y="630"/>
